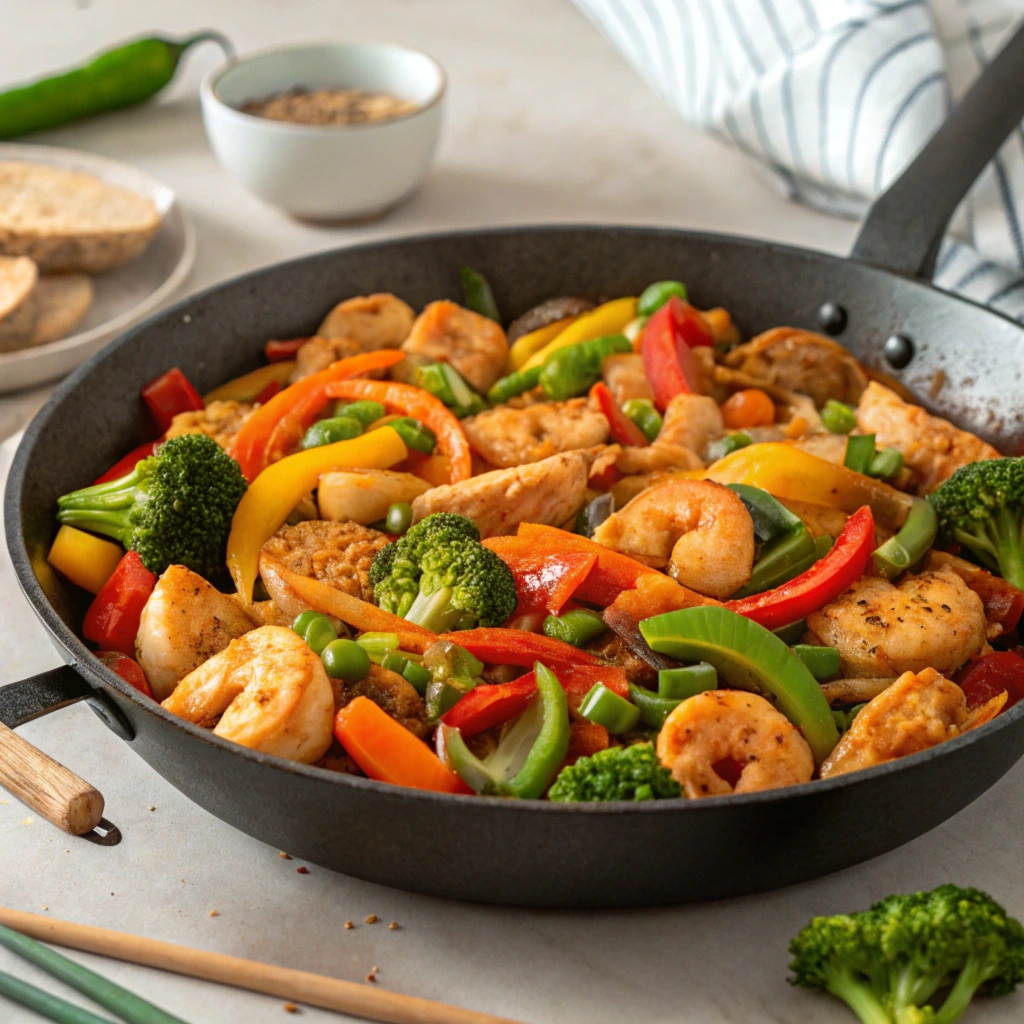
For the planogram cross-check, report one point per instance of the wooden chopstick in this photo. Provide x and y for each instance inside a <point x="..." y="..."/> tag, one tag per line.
<point x="350" y="997"/>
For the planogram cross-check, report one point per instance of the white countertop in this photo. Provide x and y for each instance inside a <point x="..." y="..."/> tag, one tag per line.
<point x="546" y="123"/>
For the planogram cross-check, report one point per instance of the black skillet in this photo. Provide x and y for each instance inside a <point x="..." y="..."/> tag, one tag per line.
<point x="532" y="853"/>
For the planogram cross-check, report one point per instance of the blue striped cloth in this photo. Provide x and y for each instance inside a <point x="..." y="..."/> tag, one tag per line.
<point x="834" y="98"/>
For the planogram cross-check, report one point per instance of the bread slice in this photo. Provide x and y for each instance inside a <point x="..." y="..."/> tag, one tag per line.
<point x="18" y="278"/>
<point x="69" y="221"/>
<point x="61" y="302"/>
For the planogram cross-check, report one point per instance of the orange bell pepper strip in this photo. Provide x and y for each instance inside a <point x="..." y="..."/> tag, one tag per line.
<point x="278" y="489"/>
<point x="544" y="579"/>
<point x="422" y="406"/>
<point x="498" y="646"/>
<point x="251" y="445"/>
<point x="388" y="752"/>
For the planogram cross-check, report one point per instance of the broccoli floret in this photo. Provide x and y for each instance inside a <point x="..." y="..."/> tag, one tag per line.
<point x="618" y="773"/>
<point x="886" y="963"/>
<point x="174" y="508"/>
<point x="441" y="577"/>
<point x="981" y="506"/>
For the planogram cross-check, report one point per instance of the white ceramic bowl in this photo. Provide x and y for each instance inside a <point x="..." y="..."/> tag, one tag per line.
<point x="331" y="172"/>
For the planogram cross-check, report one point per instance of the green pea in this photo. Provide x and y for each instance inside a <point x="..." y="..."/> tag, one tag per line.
<point x="345" y="659"/>
<point x="399" y="517"/>
<point x="365" y="411"/>
<point x="642" y="412"/>
<point x="338" y="428"/>
<point x="319" y="634"/>
<point x="304" y="619"/>
<point x="887" y="462"/>
<point x="654" y="296"/>
<point x="838" y="417"/>
<point x="727" y="445"/>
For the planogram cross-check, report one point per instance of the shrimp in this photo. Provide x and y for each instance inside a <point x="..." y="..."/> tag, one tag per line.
<point x="801" y="361"/>
<point x="735" y="732"/>
<point x="512" y="437"/>
<point x="336" y="553"/>
<point x="930" y="620"/>
<point x="692" y="421"/>
<point x="932" y="448"/>
<point x="918" y="711"/>
<point x="266" y="690"/>
<point x="220" y="420"/>
<point x="547" y="492"/>
<point x="624" y="374"/>
<point x="474" y="345"/>
<point x="699" y="529"/>
<point x="184" y="622"/>
<point x="381" y="320"/>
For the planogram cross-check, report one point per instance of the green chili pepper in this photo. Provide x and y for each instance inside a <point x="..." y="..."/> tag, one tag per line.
<point x="593" y="514"/>
<point x="909" y="546"/>
<point x="346" y="660"/>
<point x="771" y="518"/>
<point x="780" y="560"/>
<point x="447" y="384"/>
<point x="477" y="294"/>
<point x="115" y="78"/>
<point x="575" y="369"/>
<point x="654" y="708"/>
<point x="885" y="463"/>
<point x="680" y="683"/>
<point x="577" y="627"/>
<point x="338" y="428"/>
<point x="793" y="633"/>
<point x="399" y="517"/>
<point x="440" y="697"/>
<point x="838" y="417"/>
<point x="823" y="662"/>
<point x="514" y="384"/>
<point x="727" y="445"/>
<point x="642" y="412"/>
<point x="365" y="411"/>
<point x="654" y="296"/>
<point x="415" y="434"/>
<point x="605" y="707"/>
<point x="860" y="450"/>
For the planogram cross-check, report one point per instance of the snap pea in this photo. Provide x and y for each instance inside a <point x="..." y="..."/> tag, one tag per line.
<point x="687" y="681"/>
<point x="337" y="428"/>
<point x="365" y="411"/>
<point x="576" y="368"/>
<point x="120" y="77"/>
<point x="642" y="412"/>
<point x="909" y="546"/>
<point x="727" y="445"/>
<point x="838" y="417"/>
<point x="654" y="296"/>
<point x="860" y="450"/>
<point x="886" y="463"/>
<point x="447" y="384"/>
<point x="415" y="434"/>
<point x="605" y="707"/>
<point x="577" y="627"/>
<point x="376" y="645"/>
<point x="823" y="662"/>
<point x="654" y="709"/>
<point x="514" y="384"/>
<point x="346" y="660"/>
<point x="477" y="294"/>
<point x="399" y="517"/>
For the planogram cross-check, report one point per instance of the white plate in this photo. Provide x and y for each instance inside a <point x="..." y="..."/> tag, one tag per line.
<point x="122" y="296"/>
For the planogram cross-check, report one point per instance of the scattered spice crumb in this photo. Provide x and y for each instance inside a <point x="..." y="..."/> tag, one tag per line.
<point x="303" y="870"/>
<point x="371" y="977"/>
<point x="394" y="926"/>
<point x="283" y="855"/>
<point x="371" y="919"/>
<point x="349" y="924"/>
<point x="45" y="907"/>
<point x="28" y="821"/>
<point x="374" y="968"/>
<point x="214" y="913"/>
<point x="290" y="1008"/>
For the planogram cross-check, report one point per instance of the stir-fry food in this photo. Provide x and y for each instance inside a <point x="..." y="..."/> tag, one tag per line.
<point x="612" y="552"/>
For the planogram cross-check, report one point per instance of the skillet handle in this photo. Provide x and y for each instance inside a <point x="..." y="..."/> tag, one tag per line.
<point x="905" y="225"/>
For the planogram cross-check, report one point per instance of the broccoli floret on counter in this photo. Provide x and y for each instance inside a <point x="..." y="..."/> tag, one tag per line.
<point x="441" y="577"/>
<point x="174" y="508"/>
<point x="981" y="506"/>
<point x="618" y="773"/>
<point x="888" y="962"/>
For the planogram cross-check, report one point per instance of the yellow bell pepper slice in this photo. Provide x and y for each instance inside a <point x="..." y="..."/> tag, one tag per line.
<point x="524" y="347"/>
<point x="789" y="472"/>
<point x="276" y="491"/>
<point x="607" y="319"/>
<point x="86" y="560"/>
<point x="249" y="385"/>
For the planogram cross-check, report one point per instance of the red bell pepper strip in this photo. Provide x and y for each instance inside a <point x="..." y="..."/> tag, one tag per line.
<point x="620" y="427"/>
<point x="989" y="676"/>
<point x="823" y="582"/>
<point x="295" y="408"/>
<point x="124" y="466"/>
<point x="422" y="406"/>
<point x="112" y="620"/>
<point x="1003" y="602"/>
<point x="272" y="388"/>
<point x="128" y="669"/>
<point x="171" y="393"/>
<point x="612" y="573"/>
<point x="388" y="752"/>
<point x="497" y="646"/>
<point x="668" y="358"/>
<point x="545" y="578"/>
<point x="585" y="740"/>
<point x="280" y="351"/>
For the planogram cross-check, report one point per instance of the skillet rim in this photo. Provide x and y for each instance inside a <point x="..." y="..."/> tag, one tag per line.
<point x="81" y="660"/>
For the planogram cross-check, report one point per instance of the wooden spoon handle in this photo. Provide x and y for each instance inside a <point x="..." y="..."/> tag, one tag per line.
<point x="46" y="786"/>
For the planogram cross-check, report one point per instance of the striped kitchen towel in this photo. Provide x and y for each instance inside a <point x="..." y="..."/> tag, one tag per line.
<point x="835" y="97"/>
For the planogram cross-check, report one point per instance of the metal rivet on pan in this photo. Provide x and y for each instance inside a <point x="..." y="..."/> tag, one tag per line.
<point x="898" y="350"/>
<point x="832" y="318"/>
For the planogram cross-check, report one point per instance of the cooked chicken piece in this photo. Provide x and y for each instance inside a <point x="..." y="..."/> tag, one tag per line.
<point x="474" y="345"/>
<point x="185" y="622"/>
<point x="547" y="313"/>
<point x="659" y="457"/>
<point x="802" y="361"/>
<point x="266" y="613"/>
<point x="318" y="353"/>
<point x="513" y="437"/>
<point x="365" y="495"/>
<point x="930" y="620"/>
<point x="220" y="420"/>
<point x="339" y="554"/>
<point x="625" y="377"/>
<point x="855" y="691"/>
<point x="381" y="320"/>
<point x="914" y="713"/>
<point x="827" y="446"/>
<point x="932" y="448"/>
<point x="391" y="692"/>
<point x="547" y="492"/>
<point x="611" y="649"/>
<point x="692" y="421"/>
